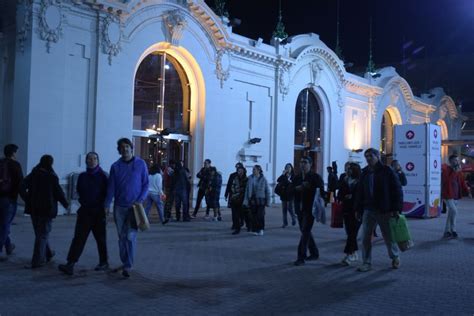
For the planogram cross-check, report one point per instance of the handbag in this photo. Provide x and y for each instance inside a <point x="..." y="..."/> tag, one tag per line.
<point x="140" y="217"/>
<point x="337" y="217"/>
<point x="400" y="233"/>
<point x="318" y="211"/>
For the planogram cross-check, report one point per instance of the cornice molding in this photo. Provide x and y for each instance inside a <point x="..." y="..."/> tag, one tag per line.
<point x="416" y="105"/>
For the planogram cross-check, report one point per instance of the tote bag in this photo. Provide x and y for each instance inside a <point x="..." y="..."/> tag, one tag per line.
<point x="140" y="217"/>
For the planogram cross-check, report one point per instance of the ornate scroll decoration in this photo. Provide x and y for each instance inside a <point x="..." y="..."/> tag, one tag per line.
<point x="222" y="65"/>
<point x="316" y="67"/>
<point x="175" y="24"/>
<point x="373" y="107"/>
<point x="111" y="36"/>
<point x="24" y="9"/>
<point x="284" y="80"/>
<point x="51" y="21"/>
<point x="340" y="98"/>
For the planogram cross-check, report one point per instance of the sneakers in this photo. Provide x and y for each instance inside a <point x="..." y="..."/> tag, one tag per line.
<point x="236" y="232"/>
<point x="346" y="261"/>
<point x="192" y="216"/>
<point x="447" y="235"/>
<point x="312" y="258"/>
<point x="67" y="268"/>
<point x="299" y="262"/>
<point x="214" y="219"/>
<point x="51" y="256"/>
<point x="454" y="234"/>
<point x="258" y="233"/>
<point x="219" y="219"/>
<point x="353" y="257"/>
<point x="395" y="263"/>
<point x="101" y="267"/>
<point x="364" y="267"/>
<point x="9" y="249"/>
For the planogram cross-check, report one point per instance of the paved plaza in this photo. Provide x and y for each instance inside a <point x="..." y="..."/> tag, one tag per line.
<point x="199" y="268"/>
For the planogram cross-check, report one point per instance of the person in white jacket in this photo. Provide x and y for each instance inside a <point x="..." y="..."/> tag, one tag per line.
<point x="155" y="193"/>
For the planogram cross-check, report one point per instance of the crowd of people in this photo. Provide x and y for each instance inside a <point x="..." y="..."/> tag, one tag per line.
<point x="369" y="197"/>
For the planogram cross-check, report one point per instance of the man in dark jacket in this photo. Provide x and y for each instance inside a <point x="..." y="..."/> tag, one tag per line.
<point x="228" y="187"/>
<point x="305" y="185"/>
<point x="41" y="192"/>
<point x="379" y="197"/>
<point x="92" y="190"/>
<point x="181" y="198"/>
<point x="11" y="176"/>
<point x="203" y="176"/>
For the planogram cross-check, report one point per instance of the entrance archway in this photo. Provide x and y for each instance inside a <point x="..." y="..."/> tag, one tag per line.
<point x="308" y="129"/>
<point x="444" y="136"/>
<point x="169" y="106"/>
<point x="391" y="117"/>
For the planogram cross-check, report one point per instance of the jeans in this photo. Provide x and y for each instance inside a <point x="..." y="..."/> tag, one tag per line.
<point x="369" y="220"/>
<point x="200" y="196"/>
<point x="181" y="198"/>
<point x="288" y="206"/>
<point x="307" y="240"/>
<point x="42" y="251"/>
<point x="154" y="198"/>
<point x="7" y="213"/>
<point x="258" y="217"/>
<point x="89" y="220"/>
<point x="452" y="206"/>
<point x="127" y="234"/>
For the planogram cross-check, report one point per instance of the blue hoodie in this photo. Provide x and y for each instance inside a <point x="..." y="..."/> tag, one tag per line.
<point x="128" y="182"/>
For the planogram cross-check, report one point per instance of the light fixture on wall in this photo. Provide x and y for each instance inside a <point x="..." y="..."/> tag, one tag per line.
<point x="254" y="140"/>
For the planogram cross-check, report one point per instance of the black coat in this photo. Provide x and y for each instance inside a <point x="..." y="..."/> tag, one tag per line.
<point x="304" y="191"/>
<point x="230" y="181"/>
<point x="287" y="184"/>
<point x="387" y="191"/>
<point x="345" y="190"/>
<point x="41" y="192"/>
<point x="16" y="177"/>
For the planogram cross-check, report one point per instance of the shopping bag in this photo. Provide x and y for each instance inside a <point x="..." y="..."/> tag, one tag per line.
<point x="400" y="233"/>
<point x="140" y="217"/>
<point x="319" y="212"/>
<point x="337" y="218"/>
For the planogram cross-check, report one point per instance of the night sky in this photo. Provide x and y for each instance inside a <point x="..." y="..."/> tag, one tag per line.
<point x="430" y="42"/>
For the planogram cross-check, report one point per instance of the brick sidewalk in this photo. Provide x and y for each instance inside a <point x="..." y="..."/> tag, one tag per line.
<point x="199" y="268"/>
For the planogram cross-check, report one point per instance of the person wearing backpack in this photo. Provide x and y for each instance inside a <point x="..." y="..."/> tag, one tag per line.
<point x="11" y="176"/>
<point x="284" y="190"/>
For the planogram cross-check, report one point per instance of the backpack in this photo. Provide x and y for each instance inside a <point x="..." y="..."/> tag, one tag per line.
<point x="5" y="178"/>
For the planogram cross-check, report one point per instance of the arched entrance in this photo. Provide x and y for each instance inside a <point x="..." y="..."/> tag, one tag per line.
<point x="444" y="136"/>
<point x="308" y="129"/>
<point x="391" y="116"/>
<point x="169" y="110"/>
<point x="161" y="109"/>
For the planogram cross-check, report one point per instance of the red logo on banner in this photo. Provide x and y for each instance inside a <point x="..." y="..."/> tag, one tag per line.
<point x="410" y="166"/>
<point x="435" y="163"/>
<point x="435" y="133"/>
<point x="410" y="134"/>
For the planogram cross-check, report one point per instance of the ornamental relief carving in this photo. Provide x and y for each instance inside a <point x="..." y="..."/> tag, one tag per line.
<point x="24" y="9"/>
<point x="175" y="23"/>
<point x="316" y="67"/>
<point x="111" y="36"/>
<point x="51" y="20"/>
<point x="222" y="65"/>
<point x="284" y="81"/>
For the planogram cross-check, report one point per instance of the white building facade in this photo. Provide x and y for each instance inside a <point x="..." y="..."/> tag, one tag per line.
<point x="76" y="75"/>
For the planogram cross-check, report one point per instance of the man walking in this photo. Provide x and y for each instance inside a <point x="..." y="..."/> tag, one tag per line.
<point x="379" y="197"/>
<point x="305" y="185"/>
<point x="452" y="187"/>
<point x="128" y="185"/>
<point x="92" y="189"/>
<point x="11" y="176"/>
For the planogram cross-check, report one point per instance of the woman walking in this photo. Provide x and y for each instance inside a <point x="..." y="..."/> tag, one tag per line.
<point x="285" y="183"/>
<point x="213" y="193"/>
<point x="346" y="195"/>
<point x="41" y="192"/>
<point x="155" y="193"/>
<point x="236" y="198"/>
<point x="257" y="196"/>
<point x="92" y="189"/>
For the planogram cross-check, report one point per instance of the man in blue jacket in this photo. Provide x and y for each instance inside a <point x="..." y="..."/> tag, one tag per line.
<point x="128" y="184"/>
